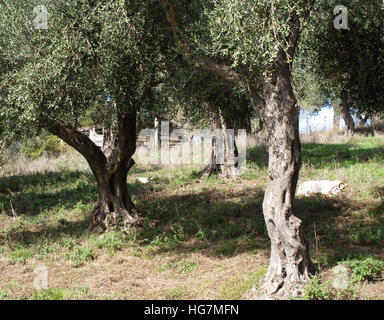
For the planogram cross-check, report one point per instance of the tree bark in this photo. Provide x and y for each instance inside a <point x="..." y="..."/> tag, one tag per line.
<point x="242" y="119"/>
<point x="336" y="118"/>
<point x="114" y="207"/>
<point x="346" y="114"/>
<point x="260" y="127"/>
<point x="2" y="155"/>
<point x="227" y="167"/>
<point x="290" y="264"/>
<point x="363" y="119"/>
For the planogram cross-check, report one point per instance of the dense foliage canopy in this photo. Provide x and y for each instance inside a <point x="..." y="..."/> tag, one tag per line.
<point x="346" y="64"/>
<point x="92" y="56"/>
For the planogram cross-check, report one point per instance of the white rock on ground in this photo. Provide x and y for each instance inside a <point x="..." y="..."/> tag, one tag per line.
<point x="341" y="277"/>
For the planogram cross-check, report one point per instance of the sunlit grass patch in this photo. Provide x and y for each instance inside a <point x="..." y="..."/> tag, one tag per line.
<point x="238" y="285"/>
<point x="50" y="294"/>
<point x="194" y="228"/>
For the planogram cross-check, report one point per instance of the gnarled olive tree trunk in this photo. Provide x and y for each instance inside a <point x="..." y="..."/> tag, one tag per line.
<point x="347" y="117"/>
<point x="290" y="265"/>
<point x="227" y="167"/>
<point x="114" y="206"/>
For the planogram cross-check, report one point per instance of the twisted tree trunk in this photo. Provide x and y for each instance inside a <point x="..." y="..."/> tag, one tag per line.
<point x="346" y="114"/>
<point x="114" y="207"/>
<point x="290" y="265"/>
<point x="226" y="168"/>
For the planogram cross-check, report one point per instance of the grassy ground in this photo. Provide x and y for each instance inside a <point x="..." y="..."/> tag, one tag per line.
<point x="206" y="238"/>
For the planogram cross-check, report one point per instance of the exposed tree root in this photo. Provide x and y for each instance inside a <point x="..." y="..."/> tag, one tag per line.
<point x="103" y="219"/>
<point x="222" y="171"/>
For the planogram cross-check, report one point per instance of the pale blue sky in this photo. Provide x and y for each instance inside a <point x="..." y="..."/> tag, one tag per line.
<point x="323" y="120"/>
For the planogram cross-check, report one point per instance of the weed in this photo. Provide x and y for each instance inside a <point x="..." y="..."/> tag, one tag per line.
<point x="112" y="241"/>
<point x="318" y="290"/>
<point x="49" y="294"/>
<point x="20" y="255"/>
<point x="182" y="266"/>
<point x="187" y="266"/>
<point x="169" y="241"/>
<point x="201" y="234"/>
<point x="237" y="286"/>
<point x="315" y="290"/>
<point x="367" y="234"/>
<point x="79" y="292"/>
<point x="80" y="255"/>
<point x="13" y="233"/>
<point x="3" y="294"/>
<point x="368" y="269"/>
<point x="177" y="293"/>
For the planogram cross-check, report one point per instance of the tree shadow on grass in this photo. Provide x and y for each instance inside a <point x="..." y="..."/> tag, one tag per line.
<point x="145" y="169"/>
<point x="213" y="222"/>
<point x="257" y="156"/>
<point x="31" y="194"/>
<point x="34" y="203"/>
<point x="218" y="222"/>
<point x="45" y="234"/>
<point x="339" y="228"/>
<point x="321" y="155"/>
<point x="346" y="155"/>
<point x="19" y="183"/>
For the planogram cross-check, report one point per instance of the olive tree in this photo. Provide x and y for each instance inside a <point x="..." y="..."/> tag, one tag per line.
<point x="347" y="60"/>
<point x="252" y="44"/>
<point x="201" y="99"/>
<point x="65" y="58"/>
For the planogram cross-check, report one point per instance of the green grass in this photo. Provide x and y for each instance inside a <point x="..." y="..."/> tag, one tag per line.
<point x="175" y="294"/>
<point x="169" y="294"/>
<point x="50" y="294"/>
<point x="182" y="267"/>
<point x="237" y="286"/>
<point x="367" y="269"/>
<point x="3" y="294"/>
<point x="79" y="255"/>
<point x="187" y="215"/>
<point x="20" y="255"/>
<point x="112" y="241"/>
